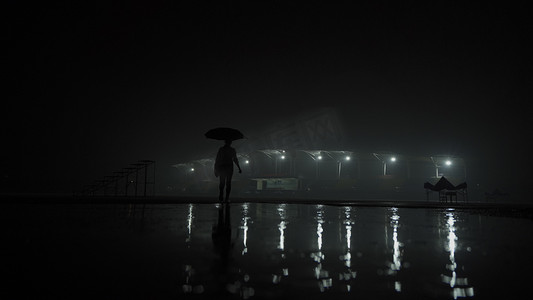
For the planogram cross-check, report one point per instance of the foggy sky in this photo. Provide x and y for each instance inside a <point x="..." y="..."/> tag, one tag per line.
<point x="92" y="88"/>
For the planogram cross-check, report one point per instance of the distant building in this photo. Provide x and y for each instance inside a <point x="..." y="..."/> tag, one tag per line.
<point x="339" y="173"/>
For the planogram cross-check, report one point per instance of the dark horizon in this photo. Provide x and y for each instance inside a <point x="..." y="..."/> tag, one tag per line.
<point x="93" y="88"/>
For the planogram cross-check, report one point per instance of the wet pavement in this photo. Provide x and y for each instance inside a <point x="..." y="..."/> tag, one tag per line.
<point x="261" y="251"/>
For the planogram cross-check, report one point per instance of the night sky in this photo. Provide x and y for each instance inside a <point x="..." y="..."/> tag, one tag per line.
<point x="89" y="89"/>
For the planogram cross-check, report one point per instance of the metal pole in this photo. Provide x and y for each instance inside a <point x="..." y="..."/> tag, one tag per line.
<point x="136" y="180"/>
<point x="126" y="182"/>
<point x="145" y="177"/>
<point x="116" y="186"/>
<point x="137" y="168"/>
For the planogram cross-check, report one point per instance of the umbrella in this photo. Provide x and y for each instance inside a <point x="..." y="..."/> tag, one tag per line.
<point x="224" y="133"/>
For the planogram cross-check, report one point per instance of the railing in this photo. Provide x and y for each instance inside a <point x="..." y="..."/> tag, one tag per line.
<point x="138" y="179"/>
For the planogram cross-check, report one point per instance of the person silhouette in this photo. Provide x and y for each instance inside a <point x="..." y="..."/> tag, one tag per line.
<point x="226" y="156"/>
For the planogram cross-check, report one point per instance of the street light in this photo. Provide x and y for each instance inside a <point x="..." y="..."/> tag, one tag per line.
<point x="318" y="158"/>
<point x="281" y="156"/>
<point x="438" y="161"/>
<point x="392" y="160"/>
<point x="384" y="158"/>
<point x="339" y="165"/>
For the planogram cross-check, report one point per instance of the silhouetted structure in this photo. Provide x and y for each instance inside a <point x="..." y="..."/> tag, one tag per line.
<point x="136" y="180"/>
<point x="447" y="191"/>
<point x="324" y="173"/>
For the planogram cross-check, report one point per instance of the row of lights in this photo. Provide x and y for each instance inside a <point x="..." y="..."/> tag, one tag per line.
<point x="447" y="162"/>
<point x="318" y="157"/>
<point x="347" y="158"/>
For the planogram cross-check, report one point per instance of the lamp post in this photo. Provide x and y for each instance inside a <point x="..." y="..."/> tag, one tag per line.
<point x="447" y="163"/>
<point x="383" y="160"/>
<point x="339" y="165"/>
<point x="318" y="158"/>
<point x="282" y="157"/>
<point x="392" y="160"/>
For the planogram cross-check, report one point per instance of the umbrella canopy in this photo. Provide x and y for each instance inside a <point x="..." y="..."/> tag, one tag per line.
<point x="224" y="133"/>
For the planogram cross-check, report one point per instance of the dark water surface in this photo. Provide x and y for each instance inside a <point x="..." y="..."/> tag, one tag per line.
<point x="258" y="251"/>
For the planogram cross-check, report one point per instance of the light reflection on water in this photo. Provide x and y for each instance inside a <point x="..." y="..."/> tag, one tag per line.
<point x="333" y="228"/>
<point x="322" y="275"/>
<point x="282" y="225"/>
<point x="459" y="285"/>
<point x="397" y="246"/>
<point x="244" y="226"/>
<point x="274" y="251"/>
<point x="190" y="217"/>
<point x="348" y="274"/>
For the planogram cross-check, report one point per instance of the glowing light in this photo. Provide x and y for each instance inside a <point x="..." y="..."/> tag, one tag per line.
<point x="348" y="222"/>
<point x="451" y="247"/>
<point x="319" y="157"/>
<point x="348" y="158"/>
<point x="324" y="280"/>
<point x="398" y="286"/>
<point x="282" y="226"/>
<point x="448" y="162"/>
<point x="246" y="161"/>
<point x="190" y="217"/>
<point x="244" y="227"/>
<point x="348" y="225"/>
<point x="454" y="281"/>
<point x="319" y="229"/>
<point x="397" y="253"/>
<point x="283" y="157"/>
<point x="463" y="292"/>
<point x="393" y="159"/>
<point x="192" y="169"/>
